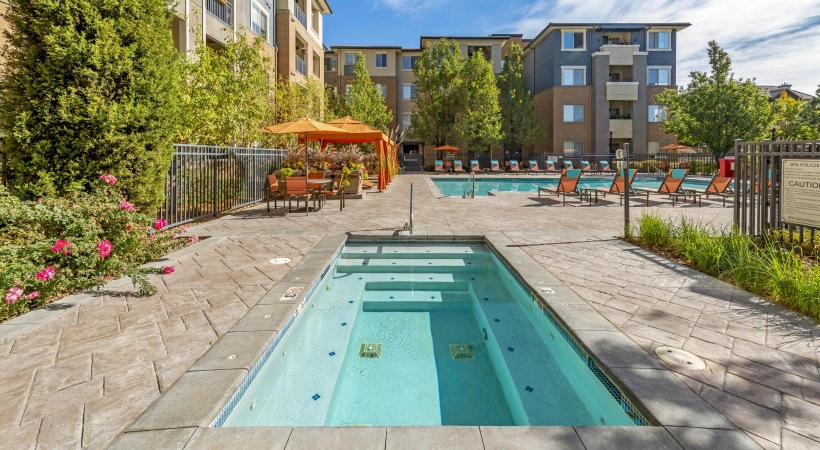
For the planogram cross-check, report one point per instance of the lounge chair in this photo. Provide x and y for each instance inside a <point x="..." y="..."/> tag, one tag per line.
<point x="448" y="166"/>
<point x="457" y="168"/>
<point x="672" y="185"/>
<point x="605" y="168"/>
<point x="494" y="167"/>
<point x="297" y="187"/>
<point x="551" y="167"/>
<point x="568" y="164"/>
<point x="439" y="166"/>
<point x="586" y="167"/>
<point x="273" y="191"/>
<point x="474" y="166"/>
<point x="719" y="186"/>
<point x="567" y="185"/>
<point x="514" y="166"/>
<point x="534" y="167"/>
<point x="618" y="188"/>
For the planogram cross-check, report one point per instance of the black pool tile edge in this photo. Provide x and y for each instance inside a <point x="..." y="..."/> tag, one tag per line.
<point x="194" y="413"/>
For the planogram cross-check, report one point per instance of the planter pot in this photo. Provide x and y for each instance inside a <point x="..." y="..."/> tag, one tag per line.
<point x="355" y="180"/>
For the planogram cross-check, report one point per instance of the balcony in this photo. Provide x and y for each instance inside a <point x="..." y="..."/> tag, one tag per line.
<point x="620" y="55"/>
<point x="301" y="66"/>
<point x="621" y="128"/>
<point x="350" y="70"/>
<point x="623" y="91"/>
<point x="300" y="15"/>
<point x="222" y="10"/>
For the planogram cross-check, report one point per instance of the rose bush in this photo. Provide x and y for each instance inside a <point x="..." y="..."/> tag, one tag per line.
<point x="57" y="246"/>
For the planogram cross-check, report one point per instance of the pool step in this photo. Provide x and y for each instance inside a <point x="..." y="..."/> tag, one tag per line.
<point x="427" y="286"/>
<point x="416" y="301"/>
<point x="356" y="265"/>
<point x="414" y="251"/>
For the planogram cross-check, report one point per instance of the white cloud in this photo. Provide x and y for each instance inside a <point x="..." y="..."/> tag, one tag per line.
<point x="765" y="41"/>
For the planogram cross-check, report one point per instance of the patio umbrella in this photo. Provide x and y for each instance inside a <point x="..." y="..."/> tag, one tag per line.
<point x="677" y="148"/>
<point x="306" y="128"/>
<point x="447" y="148"/>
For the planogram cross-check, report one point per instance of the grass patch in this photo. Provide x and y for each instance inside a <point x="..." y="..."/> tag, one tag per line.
<point x="763" y="267"/>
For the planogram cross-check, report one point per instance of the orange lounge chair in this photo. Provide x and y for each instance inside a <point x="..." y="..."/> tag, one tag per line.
<point x="551" y="167"/>
<point x="534" y="167"/>
<point x="439" y="167"/>
<point x="618" y="188"/>
<point x="605" y="168"/>
<point x="494" y="168"/>
<point x="586" y="167"/>
<point x="457" y="168"/>
<point x="567" y="185"/>
<point x="568" y="164"/>
<point x="719" y="186"/>
<point x="474" y="167"/>
<point x="672" y="182"/>
<point x="514" y="167"/>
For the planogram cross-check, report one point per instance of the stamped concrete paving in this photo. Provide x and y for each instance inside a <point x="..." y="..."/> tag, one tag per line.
<point x="81" y="372"/>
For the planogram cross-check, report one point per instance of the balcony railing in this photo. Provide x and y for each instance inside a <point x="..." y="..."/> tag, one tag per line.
<point x="350" y="69"/>
<point x="222" y="11"/>
<point x="301" y="66"/>
<point x="300" y="15"/>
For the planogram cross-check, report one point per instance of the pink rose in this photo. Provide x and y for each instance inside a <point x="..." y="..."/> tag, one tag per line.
<point x="183" y="229"/>
<point x="13" y="295"/>
<point x="128" y="228"/>
<point x="61" y="246"/>
<point x="110" y="179"/>
<point x="193" y="239"/>
<point x="45" y="274"/>
<point x="104" y="249"/>
<point x="126" y="206"/>
<point x="159" y="224"/>
<point x="168" y="270"/>
<point x="33" y="295"/>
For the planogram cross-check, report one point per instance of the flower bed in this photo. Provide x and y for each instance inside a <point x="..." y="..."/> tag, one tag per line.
<point x="56" y="246"/>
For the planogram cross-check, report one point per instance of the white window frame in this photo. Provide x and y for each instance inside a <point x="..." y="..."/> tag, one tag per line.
<point x="574" y="150"/>
<point x="572" y="118"/>
<point x="329" y="58"/>
<point x="355" y="57"/>
<point x="406" y="123"/>
<point x="659" y="30"/>
<point x="412" y="88"/>
<point x="583" y="77"/>
<point x="377" y="61"/>
<point x="411" y="62"/>
<point x="574" y="30"/>
<point x="650" y="117"/>
<point x="264" y="13"/>
<point x="669" y="70"/>
<point x="347" y="88"/>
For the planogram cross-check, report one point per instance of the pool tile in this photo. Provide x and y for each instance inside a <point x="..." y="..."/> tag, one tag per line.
<point x="529" y="389"/>
<point x="316" y="397"/>
<point x="344" y="324"/>
<point x="498" y="320"/>
<point x="511" y="349"/>
<point x="332" y="353"/>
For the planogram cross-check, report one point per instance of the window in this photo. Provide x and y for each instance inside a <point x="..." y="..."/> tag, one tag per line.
<point x="573" y="113"/>
<point x="573" y="40"/>
<point x="382" y="88"/>
<point x="351" y="58"/>
<point x="657" y="113"/>
<point x="573" y="149"/>
<point x="573" y="76"/>
<point x="406" y="120"/>
<point x="658" y="40"/>
<point x="347" y="88"/>
<point x="381" y="60"/>
<point x="331" y="63"/>
<point x="659" y="76"/>
<point x="408" y="91"/>
<point x="259" y="21"/>
<point x="317" y="65"/>
<point x="653" y="147"/>
<point x="408" y="62"/>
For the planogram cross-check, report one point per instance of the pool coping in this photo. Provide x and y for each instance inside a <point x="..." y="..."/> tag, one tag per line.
<point x="182" y="415"/>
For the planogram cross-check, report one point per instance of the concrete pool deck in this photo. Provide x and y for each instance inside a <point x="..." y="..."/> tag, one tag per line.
<point x="78" y="375"/>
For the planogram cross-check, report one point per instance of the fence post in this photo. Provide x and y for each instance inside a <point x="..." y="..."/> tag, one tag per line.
<point x="214" y="190"/>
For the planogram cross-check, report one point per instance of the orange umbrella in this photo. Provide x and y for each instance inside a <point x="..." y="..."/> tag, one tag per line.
<point x="306" y="127"/>
<point x="447" y="148"/>
<point x="677" y="148"/>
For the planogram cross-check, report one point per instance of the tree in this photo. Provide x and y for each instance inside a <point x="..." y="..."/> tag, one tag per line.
<point x="480" y="123"/>
<point x="787" y="123"/>
<point x="809" y="114"/>
<point x="365" y="101"/>
<point x="715" y="109"/>
<point x="227" y="94"/>
<point x="521" y="126"/>
<point x="439" y="93"/>
<point x="293" y="100"/>
<point x="89" y="88"/>
<point x="334" y="106"/>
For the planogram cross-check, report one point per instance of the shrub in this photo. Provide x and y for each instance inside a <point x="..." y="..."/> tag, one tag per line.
<point x="56" y="246"/>
<point x="89" y="87"/>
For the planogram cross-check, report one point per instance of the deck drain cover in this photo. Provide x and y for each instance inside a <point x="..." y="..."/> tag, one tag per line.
<point x="462" y="351"/>
<point x="680" y="358"/>
<point x="370" y="350"/>
<point x="279" y="260"/>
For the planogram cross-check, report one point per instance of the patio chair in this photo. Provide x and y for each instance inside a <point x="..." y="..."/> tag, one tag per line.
<point x="534" y="167"/>
<point x="448" y="166"/>
<point x="568" y="164"/>
<point x="457" y="168"/>
<point x="314" y="175"/>
<point x="605" y="168"/>
<point x="474" y="166"/>
<point x="439" y="166"/>
<point x="719" y="186"/>
<point x="551" y="167"/>
<point x="336" y="191"/>
<point x="618" y="188"/>
<point x="494" y="167"/>
<point x="273" y="191"/>
<point x="586" y="167"/>
<point x="672" y="186"/>
<point x="297" y="187"/>
<point x="567" y="185"/>
<point x="514" y="167"/>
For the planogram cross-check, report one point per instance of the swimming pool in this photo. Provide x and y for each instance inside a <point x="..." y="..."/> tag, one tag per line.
<point x="523" y="183"/>
<point x="411" y="335"/>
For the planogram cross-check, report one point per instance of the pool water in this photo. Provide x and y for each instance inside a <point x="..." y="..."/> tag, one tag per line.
<point x="412" y="335"/>
<point x="523" y="183"/>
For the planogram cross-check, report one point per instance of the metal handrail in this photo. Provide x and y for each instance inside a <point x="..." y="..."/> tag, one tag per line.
<point x="223" y="11"/>
<point x="300" y="15"/>
<point x="301" y="65"/>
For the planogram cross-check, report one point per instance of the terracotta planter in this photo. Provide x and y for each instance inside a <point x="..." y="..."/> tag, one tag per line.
<point x="355" y="179"/>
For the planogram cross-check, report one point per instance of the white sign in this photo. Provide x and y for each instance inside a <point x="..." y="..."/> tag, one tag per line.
<point x="800" y="192"/>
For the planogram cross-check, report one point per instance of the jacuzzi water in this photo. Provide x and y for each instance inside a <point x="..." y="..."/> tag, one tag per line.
<point x="412" y="335"/>
<point x="523" y="183"/>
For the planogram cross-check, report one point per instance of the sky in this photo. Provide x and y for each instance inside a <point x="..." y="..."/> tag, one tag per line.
<point x="772" y="41"/>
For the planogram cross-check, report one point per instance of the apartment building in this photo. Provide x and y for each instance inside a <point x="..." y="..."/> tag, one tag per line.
<point x="595" y="84"/>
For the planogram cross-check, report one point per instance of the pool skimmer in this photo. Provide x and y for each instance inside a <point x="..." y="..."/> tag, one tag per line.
<point x="370" y="350"/>
<point x="462" y="351"/>
<point x="680" y="358"/>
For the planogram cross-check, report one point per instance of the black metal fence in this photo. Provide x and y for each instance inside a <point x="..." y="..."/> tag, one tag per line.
<point x="758" y="181"/>
<point x="207" y="180"/>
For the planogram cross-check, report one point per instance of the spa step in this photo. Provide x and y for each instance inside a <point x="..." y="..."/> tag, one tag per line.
<point x="414" y="251"/>
<point x="355" y="265"/>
